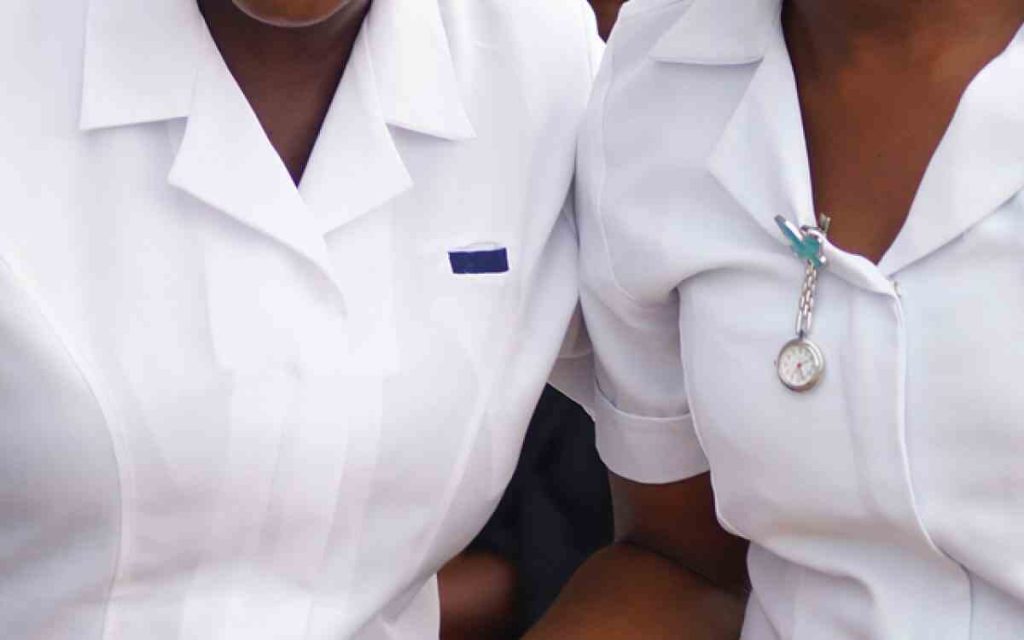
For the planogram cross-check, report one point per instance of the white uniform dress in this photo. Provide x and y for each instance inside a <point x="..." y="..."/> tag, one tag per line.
<point x="231" y="409"/>
<point x="888" y="502"/>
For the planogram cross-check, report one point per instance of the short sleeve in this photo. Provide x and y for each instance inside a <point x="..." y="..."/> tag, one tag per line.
<point x="573" y="373"/>
<point x="645" y="432"/>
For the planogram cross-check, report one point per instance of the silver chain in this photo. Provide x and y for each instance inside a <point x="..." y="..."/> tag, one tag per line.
<point x="805" y="314"/>
<point x="805" y="311"/>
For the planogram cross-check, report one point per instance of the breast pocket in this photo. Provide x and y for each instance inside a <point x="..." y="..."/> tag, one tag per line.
<point x="489" y="259"/>
<point x="473" y="289"/>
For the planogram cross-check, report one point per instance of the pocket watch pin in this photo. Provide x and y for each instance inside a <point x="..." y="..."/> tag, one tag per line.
<point x="801" y="363"/>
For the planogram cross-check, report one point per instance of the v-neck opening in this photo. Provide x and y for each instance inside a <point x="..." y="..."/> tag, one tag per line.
<point x="354" y="166"/>
<point x="943" y="156"/>
<point x="937" y="157"/>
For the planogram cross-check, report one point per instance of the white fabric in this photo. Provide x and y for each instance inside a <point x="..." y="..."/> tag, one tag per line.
<point x="231" y="409"/>
<point x="888" y="502"/>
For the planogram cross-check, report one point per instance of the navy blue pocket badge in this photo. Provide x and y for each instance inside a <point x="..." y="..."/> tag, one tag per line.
<point x="474" y="262"/>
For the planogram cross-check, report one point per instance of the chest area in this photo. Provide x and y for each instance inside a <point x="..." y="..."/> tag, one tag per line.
<point x="195" y="312"/>
<point x="276" y="410"/>
<point x="914" y="379"/>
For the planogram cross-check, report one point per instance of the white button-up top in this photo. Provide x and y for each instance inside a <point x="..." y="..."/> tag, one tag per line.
<point x="234" y="409"/>
<point x="887" y="503"/>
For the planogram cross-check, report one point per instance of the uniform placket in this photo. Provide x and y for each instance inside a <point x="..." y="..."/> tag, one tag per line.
<point x="878" y="356"/>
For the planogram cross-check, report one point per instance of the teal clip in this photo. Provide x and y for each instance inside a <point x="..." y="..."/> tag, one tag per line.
<point x="806" y="245"/>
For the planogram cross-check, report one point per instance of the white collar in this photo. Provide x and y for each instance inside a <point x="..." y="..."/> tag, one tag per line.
<point x="142" y="60"/>
<point x="155" y="61"/>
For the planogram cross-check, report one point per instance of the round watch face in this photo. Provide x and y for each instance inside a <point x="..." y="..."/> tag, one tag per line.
<point x="800" y="364"/>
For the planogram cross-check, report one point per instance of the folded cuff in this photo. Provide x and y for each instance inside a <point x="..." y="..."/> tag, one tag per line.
<point x="647" y="450"/>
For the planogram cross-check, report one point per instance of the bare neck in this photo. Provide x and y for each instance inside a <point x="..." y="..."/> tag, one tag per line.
<point x="841" y="31"/>
<point x="321" y="46"/>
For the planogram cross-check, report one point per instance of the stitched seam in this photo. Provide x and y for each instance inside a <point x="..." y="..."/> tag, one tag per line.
<point x="117" y="444"/>
<point x="599" y="205"/>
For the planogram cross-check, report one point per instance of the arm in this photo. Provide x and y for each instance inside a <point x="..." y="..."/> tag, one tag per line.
<point x="478" y="590"/>
<point x="674" y="572"/>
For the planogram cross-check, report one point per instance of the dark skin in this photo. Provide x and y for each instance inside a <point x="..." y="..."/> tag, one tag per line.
<point x="879" y="81"/>
<point x="673" y="573"/>
<point x="477" y="592"/>
<point x="607" y="11"/>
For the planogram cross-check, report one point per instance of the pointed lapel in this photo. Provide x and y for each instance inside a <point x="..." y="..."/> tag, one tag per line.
<point x="227" y="161"/>
<point x="761" y="160"/>
<point x="761" y="157"/>
<point x="155" y="61"/>
<point x="356" y="166"/>
<point x="978" y="166"/>
<point x="401" y="75"/>
<point x="416" y="76"/>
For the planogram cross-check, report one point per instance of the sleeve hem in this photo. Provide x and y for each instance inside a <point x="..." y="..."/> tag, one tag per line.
<point x="647" y="450"/>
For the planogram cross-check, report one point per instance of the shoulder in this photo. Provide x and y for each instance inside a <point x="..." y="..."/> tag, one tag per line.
<point x="541" y="44"/>
<point x="543" y="21"/>
<point x="38" y="36"/>
<point x="41" y="55"/>
<point x="645" y="102"/>
<point x="646" y="143"/>
<point x="641" y="25"/>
